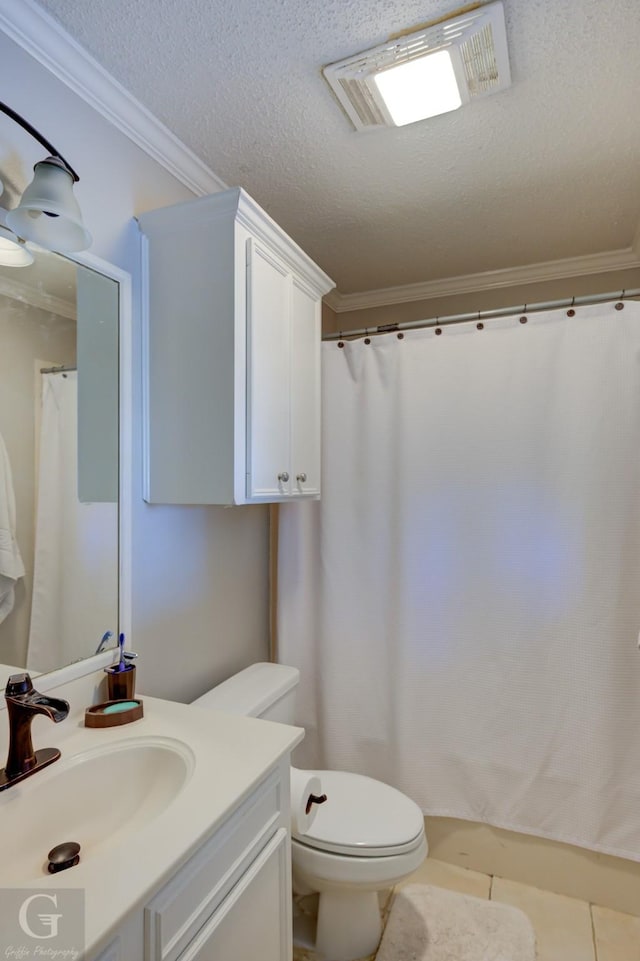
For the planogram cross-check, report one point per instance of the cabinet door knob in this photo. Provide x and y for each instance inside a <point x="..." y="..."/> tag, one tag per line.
<point x="301" y="478"/>
<point x="284" y="477"/>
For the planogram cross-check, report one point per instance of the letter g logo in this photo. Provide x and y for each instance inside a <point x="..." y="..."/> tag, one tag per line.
<point x="48" y="922"/>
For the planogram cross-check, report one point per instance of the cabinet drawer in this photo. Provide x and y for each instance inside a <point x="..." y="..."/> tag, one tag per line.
<point x="178" y="911"/>
<point x="254" y="921"/>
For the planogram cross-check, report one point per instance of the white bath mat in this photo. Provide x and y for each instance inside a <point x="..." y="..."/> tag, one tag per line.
<point x="430" y="924"/>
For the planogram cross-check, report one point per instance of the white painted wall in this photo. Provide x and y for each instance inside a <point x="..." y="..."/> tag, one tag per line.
<point x="200" y="575"/>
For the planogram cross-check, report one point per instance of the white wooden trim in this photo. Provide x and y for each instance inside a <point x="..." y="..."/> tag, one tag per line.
<point x="146" y="380"/>
<point x="624" y="259"/>
<point x="261" y="225"/>
<point x="92" y="663"/>
<point x="125" y="432"/>
<point x="44" y="38"/>
<point x="71" y="672"/>
<point x="125" y="501"/>
<point x="125" y="454"/>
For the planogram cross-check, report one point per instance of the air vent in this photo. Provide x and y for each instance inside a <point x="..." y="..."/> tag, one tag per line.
<point x="476" y="43"/>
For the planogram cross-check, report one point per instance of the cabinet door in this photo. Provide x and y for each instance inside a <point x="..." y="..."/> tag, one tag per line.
<point x="254" y="921"/>
<point x="305" y="391"/>
<point x="112" y="953"/>
<point x="268" y="374"/>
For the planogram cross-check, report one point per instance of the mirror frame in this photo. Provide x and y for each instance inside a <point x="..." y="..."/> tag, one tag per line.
<point x="96" y="662"/>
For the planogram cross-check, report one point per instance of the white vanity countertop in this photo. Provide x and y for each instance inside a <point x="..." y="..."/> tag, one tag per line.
<point x="231" y="755"/>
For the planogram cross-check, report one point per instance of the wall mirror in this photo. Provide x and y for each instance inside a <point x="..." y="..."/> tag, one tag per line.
<point x="63" y="418"/>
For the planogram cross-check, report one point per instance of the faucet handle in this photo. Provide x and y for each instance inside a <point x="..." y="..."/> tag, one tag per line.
<point x="18" y="684"/>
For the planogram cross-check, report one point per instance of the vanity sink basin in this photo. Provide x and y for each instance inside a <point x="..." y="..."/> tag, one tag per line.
<point x="96" y="798"/>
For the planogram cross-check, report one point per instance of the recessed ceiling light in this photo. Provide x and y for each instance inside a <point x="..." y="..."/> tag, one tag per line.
<point x="419" y="88"/>
<point x="427" y="72"/>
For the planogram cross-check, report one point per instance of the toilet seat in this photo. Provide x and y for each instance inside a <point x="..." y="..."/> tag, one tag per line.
<point x="363" y="818"/>
<point x="326" y="870"/>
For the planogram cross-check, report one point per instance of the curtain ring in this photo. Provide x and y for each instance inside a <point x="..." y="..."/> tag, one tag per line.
<point x="620" y="304"/>
<point x="367" y="339"/>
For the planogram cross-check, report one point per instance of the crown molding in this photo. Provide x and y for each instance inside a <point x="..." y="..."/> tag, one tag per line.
<point x="43" y="38"/>
<point x="33" y="29"/>
<point x="260" y="224"/>
<point x="624" y="259"/>
<point x="26" y="294"/>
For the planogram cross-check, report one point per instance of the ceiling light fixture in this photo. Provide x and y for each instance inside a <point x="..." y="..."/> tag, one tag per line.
<point x="48" y="213"/>
<point x="425" y="73"/>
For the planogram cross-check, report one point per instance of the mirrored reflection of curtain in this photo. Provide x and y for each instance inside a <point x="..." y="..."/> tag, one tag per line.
<point x="11" y="565"/>
<point x="75" y="589"/>
<point x="464" y="602"/>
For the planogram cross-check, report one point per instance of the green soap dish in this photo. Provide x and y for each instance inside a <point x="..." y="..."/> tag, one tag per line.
<point x="120" y="706"/>
<point x="113" y="713"/>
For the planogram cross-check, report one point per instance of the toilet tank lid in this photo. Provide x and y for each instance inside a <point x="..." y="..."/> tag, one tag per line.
<point x="251" y="691"/>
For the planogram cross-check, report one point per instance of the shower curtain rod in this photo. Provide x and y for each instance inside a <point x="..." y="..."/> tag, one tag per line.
<point x="60" y="369"/>
<point x="479" y="315"/>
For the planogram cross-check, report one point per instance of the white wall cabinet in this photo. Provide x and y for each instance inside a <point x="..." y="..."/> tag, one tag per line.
<point x="232" y="356"/>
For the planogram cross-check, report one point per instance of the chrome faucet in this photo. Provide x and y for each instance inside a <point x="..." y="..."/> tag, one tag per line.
<point x="23" y="703"/>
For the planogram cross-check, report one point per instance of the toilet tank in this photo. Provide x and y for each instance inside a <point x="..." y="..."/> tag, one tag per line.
<point x="262" y="690"/>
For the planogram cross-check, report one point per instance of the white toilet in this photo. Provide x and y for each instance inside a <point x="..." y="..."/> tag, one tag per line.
<point x="367" y="837"/>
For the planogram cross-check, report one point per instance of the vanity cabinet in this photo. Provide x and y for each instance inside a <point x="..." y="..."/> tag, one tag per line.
<point x="232" y="899"/>
<point x="232" y="356"/>
<point x="249" y="924"/>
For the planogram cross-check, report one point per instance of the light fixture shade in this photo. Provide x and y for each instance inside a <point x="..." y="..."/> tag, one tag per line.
<point x="48" y="213"/>
<point x="13" y="252"/>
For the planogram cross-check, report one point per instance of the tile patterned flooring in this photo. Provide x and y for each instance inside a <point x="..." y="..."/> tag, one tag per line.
<point x="566" y="929"/>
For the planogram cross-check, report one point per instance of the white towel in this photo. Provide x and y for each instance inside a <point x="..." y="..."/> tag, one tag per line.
<point x="11" y="566"/>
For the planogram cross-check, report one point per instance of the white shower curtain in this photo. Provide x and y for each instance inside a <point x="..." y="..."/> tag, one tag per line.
<point x="75" y="585"/>
<point x="464" y="602"/>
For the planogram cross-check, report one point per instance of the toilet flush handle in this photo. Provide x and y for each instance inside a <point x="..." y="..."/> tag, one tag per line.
<point x="314" y="799"/>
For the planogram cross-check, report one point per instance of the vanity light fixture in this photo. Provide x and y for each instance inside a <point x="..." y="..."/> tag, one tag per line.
<point x="13" y="251"/>
<point x="48" y="213"/>
<point x="427" y="72"/>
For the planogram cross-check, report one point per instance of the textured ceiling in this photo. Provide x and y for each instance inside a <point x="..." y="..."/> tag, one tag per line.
<point x="545" y="170"/>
